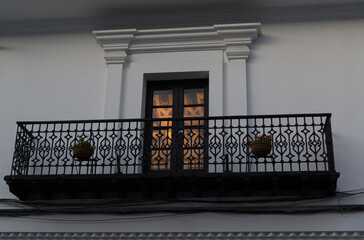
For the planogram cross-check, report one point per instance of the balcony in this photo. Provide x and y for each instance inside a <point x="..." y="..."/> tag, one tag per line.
<point x="174" y="158"/>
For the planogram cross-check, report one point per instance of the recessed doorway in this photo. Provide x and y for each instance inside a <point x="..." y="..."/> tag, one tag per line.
<point x="176" y="135"/>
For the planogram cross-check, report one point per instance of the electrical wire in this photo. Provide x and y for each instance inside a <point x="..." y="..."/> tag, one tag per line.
<point x="169" y="208"/>
<point x="104" y="220"/>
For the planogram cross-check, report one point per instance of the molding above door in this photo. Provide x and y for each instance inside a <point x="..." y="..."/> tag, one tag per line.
<point x="221" y="50"/>
<point x="234" y="39"/>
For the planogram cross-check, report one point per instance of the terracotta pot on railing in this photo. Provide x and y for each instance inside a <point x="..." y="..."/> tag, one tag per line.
<point x="82" y="152"/>
<point x="261" y="149"/>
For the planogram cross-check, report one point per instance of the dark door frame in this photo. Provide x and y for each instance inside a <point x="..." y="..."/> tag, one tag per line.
<point x="178" y="87"/>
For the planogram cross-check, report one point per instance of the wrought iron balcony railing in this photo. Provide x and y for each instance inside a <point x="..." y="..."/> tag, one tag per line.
<point x="301" y="143"/>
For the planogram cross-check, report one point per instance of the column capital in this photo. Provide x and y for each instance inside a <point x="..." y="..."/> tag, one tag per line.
<point x="238" y="38"/>
<point x="115" y="44"/>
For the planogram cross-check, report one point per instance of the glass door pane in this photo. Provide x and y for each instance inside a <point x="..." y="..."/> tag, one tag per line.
<point x="161" y="146"/>
<point x="193" y="144"/>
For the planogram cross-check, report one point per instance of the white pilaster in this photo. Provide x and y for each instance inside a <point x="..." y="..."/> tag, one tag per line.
<point x="238" y="38"/>
<point x="113" y="91"/>
<point x="235" y="88"/>
<point x="115" y="43"/>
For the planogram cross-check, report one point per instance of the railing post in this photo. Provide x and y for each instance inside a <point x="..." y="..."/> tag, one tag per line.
<point x="329" y="144"/>
<point x="22" y="150"/>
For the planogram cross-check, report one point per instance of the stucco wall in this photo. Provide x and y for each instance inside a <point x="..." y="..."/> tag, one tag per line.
<point x="47" y="77"/>
<point x="202" y="222"/>
<point x="293" y="68"/>
<point x="314" y="67"/>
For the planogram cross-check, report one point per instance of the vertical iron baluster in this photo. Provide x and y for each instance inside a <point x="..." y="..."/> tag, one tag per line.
<point x="75" y="141"/>
<point x="306" y="143"/>
<point x="51" y="151"/>
<point x="213" y="146"/>
<point x="119" y="150"/>
<point x="87" y="162"/>
<point x="68" y="150"/>
<point x="315" y="147"/>
<point x="98" y="136"/>
<point x="223" y="134"/>
<point x="265" y="161"/>
<point x="60" y="138"/>
<point x="280" y="141"/>
<point x="37" y="156"/>
<point x="113" y="155"/>
<point x="256" y="134"/>
<point x="240" y="146"/>
<point x="324" y="146"/>
<point x="137" y="147"/>
<point x="248" y="138"/>
<point x="271" y="131"/>
<point x="127" y="159"/>
<point x="103" y="148"/>
<point x="298" y="145"/>
<point x="30" y="149"/>
<point x="288" y="131"/>
<point x="44" y="148"/>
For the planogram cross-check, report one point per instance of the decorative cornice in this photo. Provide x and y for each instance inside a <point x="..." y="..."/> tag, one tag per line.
<point x="238" y="40"/>
<point x="184" y="235"/>
<point x="115" y="43"/>
<point x="235" y="39"/>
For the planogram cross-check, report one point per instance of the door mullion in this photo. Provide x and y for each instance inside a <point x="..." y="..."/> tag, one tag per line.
<point x="175" y="131"/>
<point x="179" y="127"/>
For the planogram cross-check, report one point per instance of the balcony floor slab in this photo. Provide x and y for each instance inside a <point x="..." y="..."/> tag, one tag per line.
<point x="172" y="186"/>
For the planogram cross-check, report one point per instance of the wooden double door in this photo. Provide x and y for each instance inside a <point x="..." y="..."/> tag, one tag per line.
<point x="177" y="135"/>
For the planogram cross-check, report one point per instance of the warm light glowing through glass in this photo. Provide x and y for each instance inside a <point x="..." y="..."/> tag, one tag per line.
<point x="193" y="106"/>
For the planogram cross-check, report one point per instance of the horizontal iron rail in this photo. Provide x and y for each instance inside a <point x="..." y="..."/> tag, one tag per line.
<point x="179" y="119"/>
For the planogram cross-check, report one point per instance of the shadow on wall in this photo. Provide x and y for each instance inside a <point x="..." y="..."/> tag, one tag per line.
<point x="6" y="48"/>
<point x="349" y="161"/>
<point x="254" y="52"/>
<point x="256" y="46"/>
